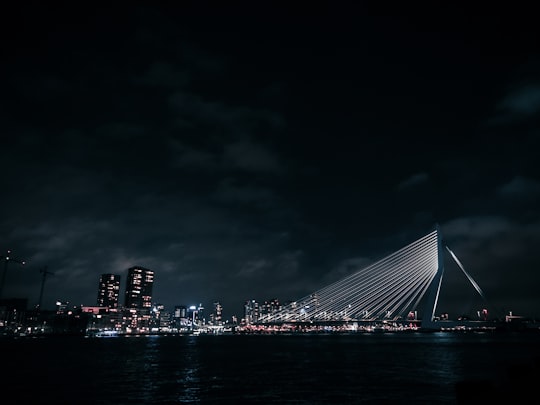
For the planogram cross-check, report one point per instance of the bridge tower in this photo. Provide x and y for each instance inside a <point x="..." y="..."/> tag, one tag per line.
<point x="435" y="286"/>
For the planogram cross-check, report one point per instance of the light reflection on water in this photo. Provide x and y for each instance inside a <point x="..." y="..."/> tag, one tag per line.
<point x="188" y="376"/>
<point x="151" y="373"/>
<point x="299" y="369"/>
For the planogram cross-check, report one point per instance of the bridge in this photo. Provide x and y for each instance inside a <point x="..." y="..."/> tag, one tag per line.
<point x="389" y="290"/>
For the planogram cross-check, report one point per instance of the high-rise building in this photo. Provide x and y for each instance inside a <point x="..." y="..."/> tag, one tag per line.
<point x="180" y="316"/>
<point x="180" y="311"/>
<point x="270" y="307"/>
<point x="139" y="288"/>
<point x="108" y="290"/>
<point x="216" y="315"/>
<point x="251" y="311"/>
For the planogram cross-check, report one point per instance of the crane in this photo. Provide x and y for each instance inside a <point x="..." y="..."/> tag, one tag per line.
<point x="8" y="258"/>
<point x="45" y="273"/>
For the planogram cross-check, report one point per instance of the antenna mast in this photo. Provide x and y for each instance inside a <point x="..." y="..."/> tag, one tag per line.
<point x="45" y="273"/>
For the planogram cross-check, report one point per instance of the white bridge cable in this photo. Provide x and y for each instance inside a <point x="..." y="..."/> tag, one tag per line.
<point x="422" y="292"/>
<point x="302" y="305"/>
<point x="475" y="285"/>
<point x="377" y="288"/>
<point x="399" y="288"/>
<point x="370" y="269"/>
<point x="382" y="290"/>
<point x="370" y="284"/>
<point x="341" y="292"/>
<point x="353" y="280"/>
<point x="408" y="290"/>
<point x="416" y="293"/>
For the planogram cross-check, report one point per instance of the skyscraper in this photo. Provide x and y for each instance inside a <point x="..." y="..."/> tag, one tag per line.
<point x="251" y="311"/>
<point x="139" y="288"/>
<point x="216" y="315"/>
<point x="108" y="290"/>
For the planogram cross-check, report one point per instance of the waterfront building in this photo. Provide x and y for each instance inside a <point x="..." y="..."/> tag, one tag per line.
<point x="160" y="318"/>
<point x="62" y="308"/>
<point x="180" y="311"/>
<point x="270" y="307"/>
<point x="196" y="315"/>
<point x="216" y="317"/>
<point x="200" y="314"/>
<point x="108" y="290"/>
<point x="139" y="286"/>
<point x="12" y="311"/>
<point x="180" y="317"/>
<point x="251" y="311"/>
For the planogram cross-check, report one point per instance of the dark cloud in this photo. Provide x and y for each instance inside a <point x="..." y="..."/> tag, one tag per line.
<point x="191" y="158"/>
<point x="520" y="187"/>
<point x="413" y="181"/>
<point x="265" y="156"/>
<point x="521" y="104"/>
<point x="252" y="157"/>
<point x="229" y="192"/>
<point x="163" y="74"/>
<point x="524" y="101"/>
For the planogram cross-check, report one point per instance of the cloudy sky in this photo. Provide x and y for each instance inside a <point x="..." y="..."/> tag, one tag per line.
<point x="252" y="154"/>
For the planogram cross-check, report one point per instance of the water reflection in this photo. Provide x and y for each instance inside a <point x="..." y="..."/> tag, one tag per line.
<point x="151" y="372"/>
<point x="166" y="370"/>
<point x="187" y="376"/>
<point x="388" y="368"/>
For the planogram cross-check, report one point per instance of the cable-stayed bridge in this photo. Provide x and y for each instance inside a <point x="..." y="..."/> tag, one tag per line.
<point x="390" y="289"/>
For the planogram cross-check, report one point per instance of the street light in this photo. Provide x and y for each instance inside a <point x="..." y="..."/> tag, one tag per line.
<point x="8" y="258"/>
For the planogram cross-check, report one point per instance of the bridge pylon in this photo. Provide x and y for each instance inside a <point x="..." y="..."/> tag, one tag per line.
<point x="434" y="289"/>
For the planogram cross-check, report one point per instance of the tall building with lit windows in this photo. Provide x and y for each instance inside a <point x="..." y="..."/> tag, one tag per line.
<point x="139" y="288"/>
<point x="216" y="315"/>
<point x="270" y="307"/>
<point x="108" y="290"/>
<point x="251" y="311"/>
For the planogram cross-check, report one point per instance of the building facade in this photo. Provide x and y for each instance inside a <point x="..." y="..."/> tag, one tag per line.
<point x="108" y="290"/>
<point x="139" y="284"/>
<point x="216" y="317"/>
<point x="251" y="311"/>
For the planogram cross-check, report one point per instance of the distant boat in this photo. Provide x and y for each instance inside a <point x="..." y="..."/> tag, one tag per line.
<point x="103" y="333"/>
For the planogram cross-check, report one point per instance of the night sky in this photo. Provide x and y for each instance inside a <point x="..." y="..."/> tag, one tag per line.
<point x="256" y="154"/>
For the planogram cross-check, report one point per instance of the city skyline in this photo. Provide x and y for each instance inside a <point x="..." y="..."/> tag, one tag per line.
<point x="113" y="294"/>
<point x="414" y="265"/>
<point x="246" y="155"/>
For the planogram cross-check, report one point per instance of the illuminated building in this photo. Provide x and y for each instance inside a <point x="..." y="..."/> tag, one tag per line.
<point x="200" y="314"/>
<point x="192" y="313"/>
<point x="216" y="315"/>
<point x="180" y="311"/>
<point x="251" y="311"/>
<point x="139" y="288"/>
<point x="180" y="316"/>
<point x="270" y="307"/>
<point x="62" y="307"/>
<point x="160" y="319"/>
<point x="109" y="290"/>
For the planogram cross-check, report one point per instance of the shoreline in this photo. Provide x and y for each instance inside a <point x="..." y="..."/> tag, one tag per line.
<point x="98" y="335"/>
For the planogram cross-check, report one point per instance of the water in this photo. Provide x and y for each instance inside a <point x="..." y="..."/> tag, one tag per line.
<point x="361" y="368"/>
